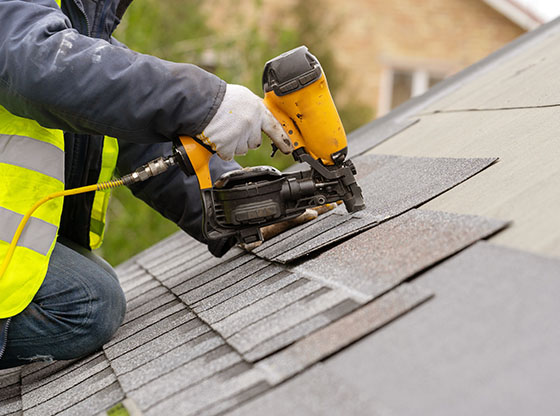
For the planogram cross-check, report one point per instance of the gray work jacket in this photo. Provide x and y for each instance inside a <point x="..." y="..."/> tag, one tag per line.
<point x="63" y="69"/>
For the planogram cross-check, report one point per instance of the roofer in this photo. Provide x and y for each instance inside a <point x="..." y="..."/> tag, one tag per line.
<point x="66" y="90"/>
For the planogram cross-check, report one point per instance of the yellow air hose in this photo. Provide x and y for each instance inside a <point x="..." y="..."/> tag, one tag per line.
<point x="153" y="168"/>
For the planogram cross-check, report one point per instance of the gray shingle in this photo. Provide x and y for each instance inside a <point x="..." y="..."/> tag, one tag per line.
<point x="287" y="317"/>
<point x="300" y="330"/>
<point x="191" y="279"/>
<point x="185" y="376"/>
<point x="491" y="331"/>
<point x="219" y="407"/>
<point x="353" y="224"/>
<point x="76" y="394"/>
<point x="171" y="244"/>
<point x="395" y="185"/>
<point x="38" y="374"/>
<point x="138" y="280"/>
<point x="188" y="255"/>
<point x="140" y="290"/>
<point x="129" y="273"/>
<point x="146" y="297"/>
<point x="10" y="391"/>
<point x="141" y="334"/>
<point x="9" y="376"/>
<point x="381" y="258"/>
<point x="216" y="285"/>
<point x="343" y="332"/>
<point x="246" y="298"/>
<point x="41" y="391"/>
<point x="317" y="392"/>
<point x="220" y="387"/>
<point x="244" y="288"/>
<point x="145" y="321"/>
<point x="146" y="351"/>
<point x="264" y="307"/>
<point x="97" y="402"/>
<point x="286" y="241"/>
<point x="376" y="132"/>
<point x="153" y="302"/>
<point x="178" y="274"/>
<point x="165" y="363"/>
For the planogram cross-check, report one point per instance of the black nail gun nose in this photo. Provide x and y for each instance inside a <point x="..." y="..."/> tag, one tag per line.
<point x="240" y="202"/>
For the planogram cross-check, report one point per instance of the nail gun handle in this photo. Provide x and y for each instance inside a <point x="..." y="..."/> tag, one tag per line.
<point x="195" y="159"/>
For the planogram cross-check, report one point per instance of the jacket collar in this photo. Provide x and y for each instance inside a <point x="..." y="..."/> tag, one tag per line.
<point x="102" y="16"/>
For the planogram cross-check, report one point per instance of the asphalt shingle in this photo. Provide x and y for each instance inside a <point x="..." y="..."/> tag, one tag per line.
<point x="264" y="307"/>
<point x="394" y="185"/>
<point x="55" y="404"/>
<point x="141" y="335"/>
<point x="381" y="258"/>
<point x="144" y="321"/>
<point x="256" y="282"/>
<point x="208" y="288"/>
<point x="286" y="318"/>
<point x="247" y="298"/>
<point x="145" y="352"/>
<point x="96" y="402"/>
<point x="330" y="339"/>
<point x="204" y="398"/>
<point x="58" y="383"/>
<point x="185" y="376"/>
<point x="175" y="358"/>
<point x="316" y="392"/>
<point x="300" y="330"/>
<point x="486" y="344"/>
<point x="10" y="391"/>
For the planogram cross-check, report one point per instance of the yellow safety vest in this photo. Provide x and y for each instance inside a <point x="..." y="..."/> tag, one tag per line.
<point x="31" y="167"/>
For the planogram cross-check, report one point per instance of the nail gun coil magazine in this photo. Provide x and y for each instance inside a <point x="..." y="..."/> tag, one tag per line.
<point x="242" y="201"/>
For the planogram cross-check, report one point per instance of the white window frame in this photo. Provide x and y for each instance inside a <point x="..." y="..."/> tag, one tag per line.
<point x="420" y="80"/>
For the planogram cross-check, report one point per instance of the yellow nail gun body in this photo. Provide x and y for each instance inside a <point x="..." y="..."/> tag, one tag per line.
<point x="242" y="201"/>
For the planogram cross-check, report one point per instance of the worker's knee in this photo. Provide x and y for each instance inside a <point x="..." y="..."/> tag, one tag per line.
<point x="78" y="308"/>
<point x="108" y="306"/>
<point x="93" y="319"/>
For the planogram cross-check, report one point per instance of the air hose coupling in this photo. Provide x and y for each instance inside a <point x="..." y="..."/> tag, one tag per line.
<point x="150" y="169"/>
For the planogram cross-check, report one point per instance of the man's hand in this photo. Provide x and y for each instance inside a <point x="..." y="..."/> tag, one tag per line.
<point x="236" y="126"/>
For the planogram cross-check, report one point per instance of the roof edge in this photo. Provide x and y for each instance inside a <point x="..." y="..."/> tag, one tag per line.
<point x="518" y="14"/>
<point x="360" y="140"/>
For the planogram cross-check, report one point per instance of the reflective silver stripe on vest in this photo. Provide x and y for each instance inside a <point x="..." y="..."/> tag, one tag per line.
<point x="38" y="235"/>
<point x="32" y="154"/>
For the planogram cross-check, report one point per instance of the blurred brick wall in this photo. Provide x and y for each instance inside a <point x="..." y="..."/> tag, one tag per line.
<point x="438" y="35"/>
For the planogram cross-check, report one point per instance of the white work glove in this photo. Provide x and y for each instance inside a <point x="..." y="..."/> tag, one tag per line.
<point x="236" y="126"/>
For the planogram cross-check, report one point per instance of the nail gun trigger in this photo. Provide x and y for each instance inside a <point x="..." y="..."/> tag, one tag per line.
<point x="274" y="150"/>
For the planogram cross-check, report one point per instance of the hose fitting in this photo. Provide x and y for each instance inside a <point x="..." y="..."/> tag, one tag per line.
<point x="150" y="169"/>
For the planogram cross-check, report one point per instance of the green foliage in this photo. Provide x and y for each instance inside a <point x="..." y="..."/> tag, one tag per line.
<point x="177" y="30"/>
<point x="132" y="226"/>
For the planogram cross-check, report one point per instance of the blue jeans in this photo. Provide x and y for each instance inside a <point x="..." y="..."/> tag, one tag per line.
<point x="78" y="308"/>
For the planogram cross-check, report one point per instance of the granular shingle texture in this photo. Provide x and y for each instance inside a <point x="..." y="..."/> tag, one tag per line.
<point x="316" y="392"/>
<point x="10" y="391"/>
<point x="393" y="251"/>
<point x="486" y="344"/>
<point x="391" y="186"/>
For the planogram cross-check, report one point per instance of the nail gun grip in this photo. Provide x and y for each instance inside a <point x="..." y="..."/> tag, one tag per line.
<point x="199" y="157"/>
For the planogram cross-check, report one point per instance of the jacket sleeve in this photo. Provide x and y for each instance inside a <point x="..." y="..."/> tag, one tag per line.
<point x="62" y="79"/>
<point x="173" y="194"/>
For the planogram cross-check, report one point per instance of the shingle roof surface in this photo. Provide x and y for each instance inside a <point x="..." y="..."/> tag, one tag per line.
<point x="390" y="310"/>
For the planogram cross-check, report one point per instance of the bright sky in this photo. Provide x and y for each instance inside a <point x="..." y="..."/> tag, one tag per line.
<point x="547" y="9"/>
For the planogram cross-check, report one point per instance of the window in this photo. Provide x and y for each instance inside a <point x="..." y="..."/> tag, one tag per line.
<point x="399" y="85"/>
